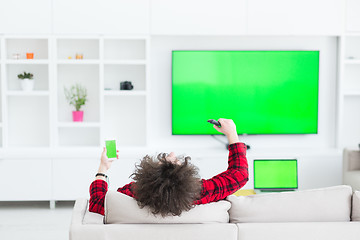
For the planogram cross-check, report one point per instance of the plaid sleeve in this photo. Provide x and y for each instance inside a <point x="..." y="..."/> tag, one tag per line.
<point x="228" y="182"/>
<point x="98" y="189"/>
<point x="126" y="190"/>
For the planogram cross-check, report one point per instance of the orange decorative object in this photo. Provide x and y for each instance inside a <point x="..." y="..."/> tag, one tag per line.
<point x="79" y="56"/>
<point x="29" y="55"/>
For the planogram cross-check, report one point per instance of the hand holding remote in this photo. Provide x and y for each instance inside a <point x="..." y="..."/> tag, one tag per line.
<point x="228" y="128"/>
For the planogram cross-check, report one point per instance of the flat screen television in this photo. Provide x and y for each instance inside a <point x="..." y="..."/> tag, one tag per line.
<point x="264" y="92"/>
<point x="275" y="174"/>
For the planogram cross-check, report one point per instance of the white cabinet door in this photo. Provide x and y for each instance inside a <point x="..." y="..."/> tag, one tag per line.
<point x="352" y="15"/>
<point x="198" y="17"/>
<point x="101" y="16"/>
<point x="72" y="178"/>
<point x="24" y="16"/>
<point x="23" y="180"/>
<point x="320" y="17"/>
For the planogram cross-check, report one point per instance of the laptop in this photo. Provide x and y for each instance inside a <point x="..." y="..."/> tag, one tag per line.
<point x="275" y="174"/>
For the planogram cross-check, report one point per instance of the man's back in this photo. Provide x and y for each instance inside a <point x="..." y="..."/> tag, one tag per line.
<point x="170" y="187"/>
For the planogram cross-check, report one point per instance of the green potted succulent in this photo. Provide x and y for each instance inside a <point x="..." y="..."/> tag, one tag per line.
<point x="26" y="81"/>
<point x="76" y="95"/>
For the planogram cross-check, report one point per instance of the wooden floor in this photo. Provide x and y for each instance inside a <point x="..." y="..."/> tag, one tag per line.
<point x="35" y="221"/>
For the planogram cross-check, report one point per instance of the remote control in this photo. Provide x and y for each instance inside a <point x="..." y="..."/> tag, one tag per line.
<point x="214" y="122"/>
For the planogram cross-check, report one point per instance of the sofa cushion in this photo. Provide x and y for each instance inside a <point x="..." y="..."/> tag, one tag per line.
<point x="299" y="231"/>
<point x="214" y="231"/>
<point x="355" y="216"/>
<point x="120" y="208"/>
<point x="317" y="205"/>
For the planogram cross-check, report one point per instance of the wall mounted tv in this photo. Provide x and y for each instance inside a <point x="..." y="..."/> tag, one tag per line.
<point x="264" y="92"/>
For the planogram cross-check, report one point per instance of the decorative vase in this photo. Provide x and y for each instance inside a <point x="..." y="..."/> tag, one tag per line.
<point x="29" y="55"/>
<point x="27" y="84"/>
<point x="78" y="116"/>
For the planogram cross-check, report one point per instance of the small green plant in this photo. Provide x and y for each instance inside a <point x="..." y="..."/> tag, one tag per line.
<point x="25" y="75"/>
<point x="76" y="95"/>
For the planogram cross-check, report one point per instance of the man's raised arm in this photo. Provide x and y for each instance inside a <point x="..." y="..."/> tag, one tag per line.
<point x="236" y="175"/>
<point x="99" y="186"/>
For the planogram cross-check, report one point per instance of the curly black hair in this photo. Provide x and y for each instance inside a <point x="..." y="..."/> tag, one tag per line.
<point x="167" y="188"/>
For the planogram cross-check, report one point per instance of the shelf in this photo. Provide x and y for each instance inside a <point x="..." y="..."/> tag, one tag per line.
<point x="27" y="61"/>
<point x="123" y="116"/>
<point x="40" y="71"/>
<point x="352" y="93"/>
<point x="352" y="34"/>
<point x="124" y="93"/>
<point x="28" y="122"/>
<point x="88" y="47"/>
<point x="124" y="49"/>
<point x="78" y="61"/>
<point x="348" y="128"/>
<point x="352" y="61"/>
<point x="88" y="77"/>
<point x="78" y="124"/>
<point x="79" y="136"/>
<point x="351" y="117"/>
<point x="115" y="74"/>
<point x="125" y="62"/>
<point x="21" y="46"/>
<point x="27" y="93"/>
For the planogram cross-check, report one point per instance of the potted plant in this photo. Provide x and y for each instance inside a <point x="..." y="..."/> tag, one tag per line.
<point x="76" y="96"/>
<point x="26" y="81"/>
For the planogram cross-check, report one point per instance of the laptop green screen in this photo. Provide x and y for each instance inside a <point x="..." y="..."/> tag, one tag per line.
<point x="275" y="174"/>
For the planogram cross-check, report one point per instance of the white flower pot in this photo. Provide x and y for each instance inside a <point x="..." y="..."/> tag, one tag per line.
<point x="27" y="84"/>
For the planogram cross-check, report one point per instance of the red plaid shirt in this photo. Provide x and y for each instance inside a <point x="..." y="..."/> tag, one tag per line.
<point x="213" y="189"/>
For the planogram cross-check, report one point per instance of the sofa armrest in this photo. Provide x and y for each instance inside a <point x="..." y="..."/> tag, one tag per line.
<point x="79" y="212"/>
<point x="80" y="230"/>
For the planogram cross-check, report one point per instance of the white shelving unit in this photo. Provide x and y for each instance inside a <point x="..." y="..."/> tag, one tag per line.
<point x="125" y="93"/>
<point x="349" y="91"/>
<point x="27" y="61"/>
<point x="43" y="117"/>
<point x="2" y="90"/>
<point x="23" y="93"/>
<point x="36" y="127"/>
<point x="86" y="71"/>
<point x="26" y="115"/>
<point x="125" y="59"/>
<point x="106" y="62"/>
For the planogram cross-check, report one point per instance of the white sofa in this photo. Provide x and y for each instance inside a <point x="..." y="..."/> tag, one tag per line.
<point x="328" y="213"/>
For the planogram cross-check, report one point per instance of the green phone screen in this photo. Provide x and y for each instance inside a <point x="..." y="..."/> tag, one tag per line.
<point x="110" y="148"/>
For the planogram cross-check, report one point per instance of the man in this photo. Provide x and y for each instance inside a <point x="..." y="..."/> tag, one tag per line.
<point x="169" y="185"/>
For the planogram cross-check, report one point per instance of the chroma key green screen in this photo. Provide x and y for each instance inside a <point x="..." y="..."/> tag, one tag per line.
<point x="264" y="92"/>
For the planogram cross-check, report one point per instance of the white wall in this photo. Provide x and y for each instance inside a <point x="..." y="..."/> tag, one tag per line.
<point x="160" y="92"/>
<point x="188" y="17"/>
<point x="318" y="167"/>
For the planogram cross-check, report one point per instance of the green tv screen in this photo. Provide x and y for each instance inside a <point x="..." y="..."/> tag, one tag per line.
<point x="264" y="92"/>
<point x="275" y="174"/>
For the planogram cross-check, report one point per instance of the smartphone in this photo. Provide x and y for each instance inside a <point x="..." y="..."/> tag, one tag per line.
<point x="110" y="148"/>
